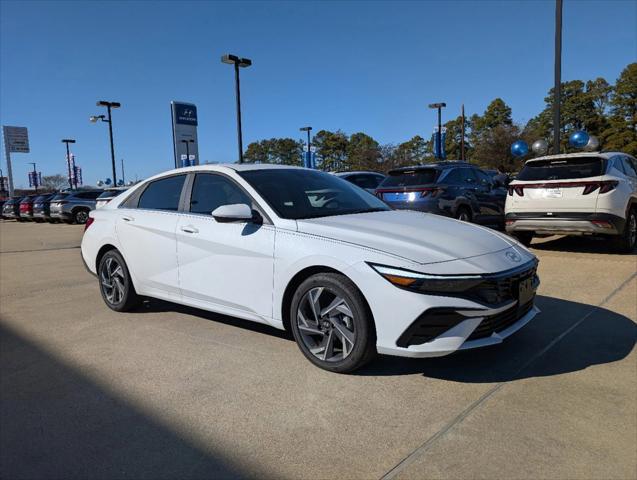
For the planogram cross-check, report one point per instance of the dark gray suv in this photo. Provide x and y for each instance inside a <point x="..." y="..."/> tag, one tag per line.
<point x="454" y="189"/>
<point x="73" y="207"/>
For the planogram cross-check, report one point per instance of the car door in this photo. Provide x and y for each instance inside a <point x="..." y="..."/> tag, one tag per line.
<point x="146" y="226"/>
<point x="490" y="197"/>
<point x="227" y="266"/>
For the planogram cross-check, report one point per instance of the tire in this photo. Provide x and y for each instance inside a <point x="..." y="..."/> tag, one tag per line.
<point x="80" y="216"/>
<point x="115" y="283"/>
<point x="464" y="214"/>
<point x="626" y="241"/>
<point x="525" y="238"/>
<point x="349" y="329"/>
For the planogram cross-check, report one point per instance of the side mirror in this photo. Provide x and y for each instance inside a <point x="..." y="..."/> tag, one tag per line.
<point x="236" y="212"/>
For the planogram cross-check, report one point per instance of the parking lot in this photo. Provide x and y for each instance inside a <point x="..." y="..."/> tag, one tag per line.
<point x="169" y="391"/>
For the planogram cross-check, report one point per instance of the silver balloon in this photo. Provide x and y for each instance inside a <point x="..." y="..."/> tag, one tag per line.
<point x="592" y="145"/>
<point x="540" y="147"/>
<point x="100" y="183"/>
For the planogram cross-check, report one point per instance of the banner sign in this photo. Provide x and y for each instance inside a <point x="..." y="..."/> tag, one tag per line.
<point x="184" y="123"/>
<point x="35" y="179"/>
<point x="16" y="139"/>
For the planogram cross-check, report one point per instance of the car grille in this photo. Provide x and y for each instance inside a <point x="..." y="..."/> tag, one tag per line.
<point x="498" y="289"/>
<point x="501" y="321"/>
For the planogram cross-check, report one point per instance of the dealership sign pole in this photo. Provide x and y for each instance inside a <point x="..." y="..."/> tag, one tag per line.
<point x="16" y="139"/>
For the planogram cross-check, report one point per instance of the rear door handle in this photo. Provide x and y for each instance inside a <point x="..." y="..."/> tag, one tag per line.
<point x="127" y="218"/>
<point x="189" y="229"/>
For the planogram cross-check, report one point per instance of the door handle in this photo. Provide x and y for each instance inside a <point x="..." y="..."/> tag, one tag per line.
<point x="127" y="218"/>
<point x="189" y="229"/>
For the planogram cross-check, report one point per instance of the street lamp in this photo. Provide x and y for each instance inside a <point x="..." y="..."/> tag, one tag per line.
<point x="188" y="142"/>
<point x="557" y="89"/>
<point x="309" y="144"/>
<point x="243" y="63"/>
<point x="68" y="159"/>
<point x="109" y="120"/>
<point x="439" y="106"/>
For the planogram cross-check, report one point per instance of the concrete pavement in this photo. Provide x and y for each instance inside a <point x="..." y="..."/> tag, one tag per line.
<point x="169" y="391"/>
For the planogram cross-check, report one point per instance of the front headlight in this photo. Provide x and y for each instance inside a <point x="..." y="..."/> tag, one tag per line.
<point x="427" y="283"/>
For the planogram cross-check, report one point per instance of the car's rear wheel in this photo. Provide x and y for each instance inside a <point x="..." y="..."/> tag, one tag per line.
<point x="80" y="216"/>
<point x="627" y="240"/>
<point x="463" y="214"/>
<point x="116" y="286"/>
<point x="332" y="324"/>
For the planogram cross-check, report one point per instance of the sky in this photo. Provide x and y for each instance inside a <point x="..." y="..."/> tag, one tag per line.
<point x="355" y="66"/>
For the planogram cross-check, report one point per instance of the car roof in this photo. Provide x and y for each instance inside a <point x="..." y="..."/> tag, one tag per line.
<point x="605" y="155"/>
<point x="437" y="165"/>
<point x="357" y="172"/>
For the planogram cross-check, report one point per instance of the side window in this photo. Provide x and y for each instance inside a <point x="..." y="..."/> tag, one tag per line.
<point x="88" y="195"/>
<point x="629" y="167"/>
<point x="483" y="178"/>
<point x="453" y="177"/>
<point x="162" y="194"/>
<point x="210" y="191"/>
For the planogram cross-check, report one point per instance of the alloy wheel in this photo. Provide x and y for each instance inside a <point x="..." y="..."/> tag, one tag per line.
<point x="326" y="324"/>
<point x="81" y="216"/>
<point x="112" y="281"/>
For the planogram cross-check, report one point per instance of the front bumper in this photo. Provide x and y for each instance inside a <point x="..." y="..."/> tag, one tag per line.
<point x="60" y="215"/>
<point x="565" y="223"/>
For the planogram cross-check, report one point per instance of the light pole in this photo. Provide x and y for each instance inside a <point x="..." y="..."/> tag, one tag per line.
<point x="2" y="190"/>
<point x="188" y="142"/>
<point x="309" y="145"/>
<point x="109" y="120"/>
<point x="243" y="63"/>
<point x="68" y="159"/>
<point x="439" y="106"/>
<point x="123" y="178"/>
<point x="557" y="89"/>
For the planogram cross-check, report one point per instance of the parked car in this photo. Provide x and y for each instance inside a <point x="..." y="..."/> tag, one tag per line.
<point x="108" y="195"/>
<point x="453" y="189"/>
<point x="349" y="277"/>
<point x="26" y="207"/>
<point x="576" y="194"/>
<point x="367" y="180"/>
<point x="11" y="208"/>
<point x="74" y="206"/>
<point x="42" y="207"/>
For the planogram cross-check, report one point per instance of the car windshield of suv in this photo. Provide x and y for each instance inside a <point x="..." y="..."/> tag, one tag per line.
<point x="60" y="196"/>
<point x="109" y="194"/>
<point x="563" y="168"/>
<point x="298" y="194"/>
<point x="410" y="178"/>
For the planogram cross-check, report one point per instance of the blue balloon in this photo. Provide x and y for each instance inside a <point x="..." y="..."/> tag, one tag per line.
<point x="107" y="181"/>
<point x="519" y="148"/>
<point x="579" y="139"/>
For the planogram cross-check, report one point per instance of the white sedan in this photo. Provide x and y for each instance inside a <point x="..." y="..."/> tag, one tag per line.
<point x="309" y="252"/>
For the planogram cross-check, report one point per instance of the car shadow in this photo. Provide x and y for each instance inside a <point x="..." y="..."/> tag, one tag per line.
<point x="577" y="244"/>
<point x="153" y="305"/>
<point x="603" y="336"/>
<point x="59" y="422"/>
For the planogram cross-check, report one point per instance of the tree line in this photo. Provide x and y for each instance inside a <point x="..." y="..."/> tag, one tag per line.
<point x="606" y="111"/>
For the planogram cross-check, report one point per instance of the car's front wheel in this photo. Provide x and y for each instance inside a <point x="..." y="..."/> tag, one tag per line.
<point x="332" y="324"/>
<point x="116" y="286"/>
<point x="80" y="216"/>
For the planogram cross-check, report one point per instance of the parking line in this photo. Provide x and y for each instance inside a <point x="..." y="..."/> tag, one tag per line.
<point x="40" y="250"/>
<point x="409" y="459"/>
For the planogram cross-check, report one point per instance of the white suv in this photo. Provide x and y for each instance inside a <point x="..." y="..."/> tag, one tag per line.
<point x="575" y="194"/>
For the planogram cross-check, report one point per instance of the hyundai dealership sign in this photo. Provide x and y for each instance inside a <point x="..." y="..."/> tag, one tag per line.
<point x="184" y="121"/>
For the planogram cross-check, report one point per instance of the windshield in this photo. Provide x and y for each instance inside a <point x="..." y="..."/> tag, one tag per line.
<point x="297" y="194"/>
<point x="563" y="168"/>
<point x="60" y="196"/>
<point x="410" y="178"/>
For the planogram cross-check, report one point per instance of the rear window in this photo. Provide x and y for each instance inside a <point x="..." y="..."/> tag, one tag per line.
<point x="410" y="178"/>
<point x="563" y="168"/>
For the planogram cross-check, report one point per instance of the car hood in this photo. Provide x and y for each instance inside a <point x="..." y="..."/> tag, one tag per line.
<point x="418" y="237"/>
